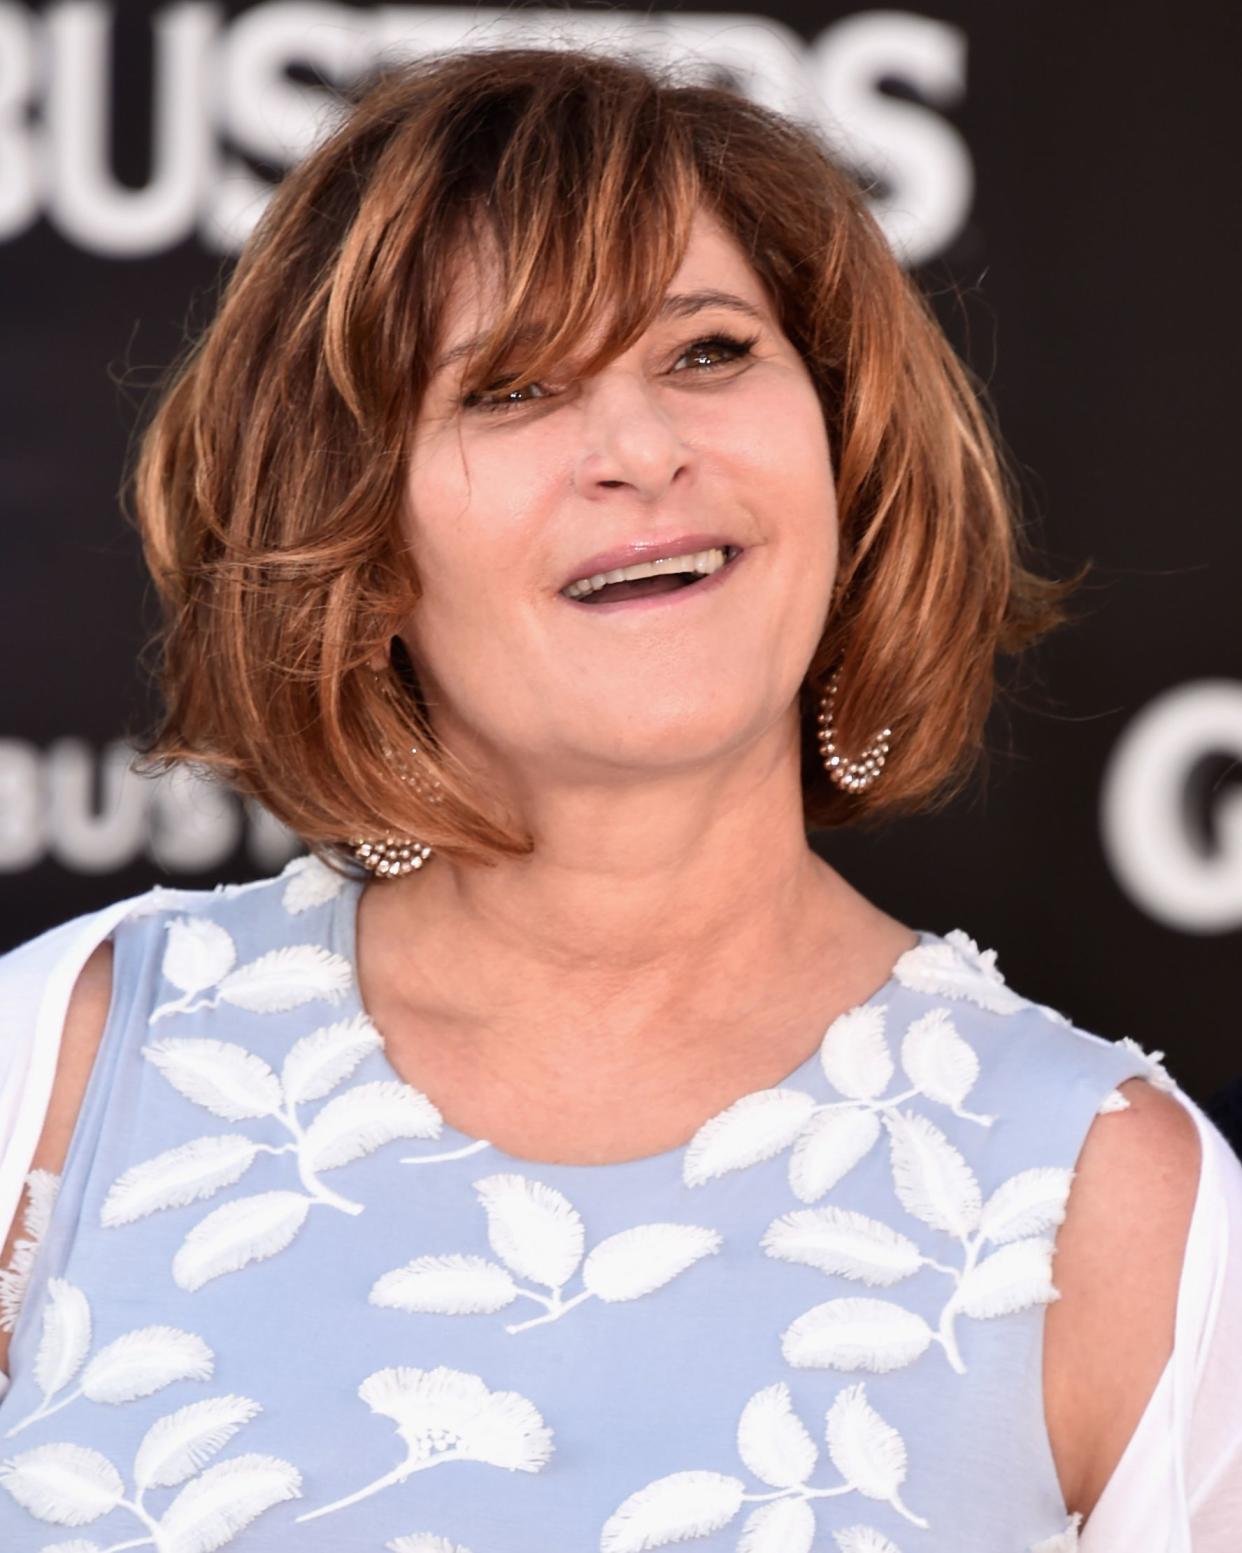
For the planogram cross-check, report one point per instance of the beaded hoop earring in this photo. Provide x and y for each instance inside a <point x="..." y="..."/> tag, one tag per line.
<point x="391" y="856"/>
<point x="851" y="776"/>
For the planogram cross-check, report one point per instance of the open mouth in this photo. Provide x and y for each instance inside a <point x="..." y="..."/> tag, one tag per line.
<point x="648" y="579"/>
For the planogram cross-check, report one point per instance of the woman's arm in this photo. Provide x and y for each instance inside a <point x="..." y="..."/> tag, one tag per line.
<point x="1118" y="1267"/>
<point x="1177" y="1485"/>
<point x="83" y="1026"/>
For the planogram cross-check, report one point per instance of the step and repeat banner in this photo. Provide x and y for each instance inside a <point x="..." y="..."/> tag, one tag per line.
<point x="1060" y="178"/>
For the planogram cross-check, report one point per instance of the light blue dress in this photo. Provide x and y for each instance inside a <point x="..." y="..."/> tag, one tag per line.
<point x="280" y="1306"/>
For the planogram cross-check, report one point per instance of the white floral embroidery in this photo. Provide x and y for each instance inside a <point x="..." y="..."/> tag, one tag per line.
<point x="201" y="954"/>
<point x="72" y="1485"/>
<point x="424" y="1542"/>
<point x="863" y="1539"/>
<point x="829" y="1139"/>
<point x="43" y="1188"/>
<point x="153" y="902"/>
<point x="310" y="883"/>
<point x="233" y="1083"/>
<point x="136" y="1364"/>
<point x="450" y="1415"/>
<point x="777" y="1448"/>
<point x="935" y="1184"/>
<point x="958" y="968"/>
<point x="538" y="1233"/>
<point x="1114" y="1100"/>
<point x="1064" y="1542"/>
<point x="1153" y="1064"/>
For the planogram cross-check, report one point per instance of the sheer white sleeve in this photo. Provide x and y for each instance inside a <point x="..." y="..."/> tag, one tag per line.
<point x="36" y="981"/>
<point x="1178" y="1486"/>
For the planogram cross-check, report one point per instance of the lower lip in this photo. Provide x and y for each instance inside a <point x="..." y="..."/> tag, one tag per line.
<point x="660" y="600"/>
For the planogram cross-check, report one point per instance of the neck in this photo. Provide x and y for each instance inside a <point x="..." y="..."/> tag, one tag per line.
<point x="686" y="894"/>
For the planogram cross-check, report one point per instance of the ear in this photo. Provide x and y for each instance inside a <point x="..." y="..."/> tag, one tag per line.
<point x="380" y="660"/>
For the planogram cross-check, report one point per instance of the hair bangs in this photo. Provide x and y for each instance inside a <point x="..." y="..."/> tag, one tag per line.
<point x="579" y="226"/>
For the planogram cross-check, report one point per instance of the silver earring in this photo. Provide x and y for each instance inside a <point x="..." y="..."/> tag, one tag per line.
<point x="393" y="856"/>
<point x="851" y="776"/>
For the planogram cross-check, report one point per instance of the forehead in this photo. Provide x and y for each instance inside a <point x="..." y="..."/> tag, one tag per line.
<point x="713" y="261"/>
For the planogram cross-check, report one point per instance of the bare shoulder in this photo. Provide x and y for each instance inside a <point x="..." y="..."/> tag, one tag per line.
<point x="1118" y="1268"/>
<point x="84" y="1024"/>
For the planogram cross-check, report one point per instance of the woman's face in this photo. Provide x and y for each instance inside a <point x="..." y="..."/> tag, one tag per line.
<point x="681" y="445"/>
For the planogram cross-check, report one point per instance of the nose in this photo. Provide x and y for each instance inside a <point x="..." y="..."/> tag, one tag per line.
<point x="627" y="438"/>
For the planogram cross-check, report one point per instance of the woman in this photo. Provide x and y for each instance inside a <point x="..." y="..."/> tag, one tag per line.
<point x="573" y="497"/>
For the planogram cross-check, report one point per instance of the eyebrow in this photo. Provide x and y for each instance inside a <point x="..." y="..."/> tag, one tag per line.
<point x="679" y="304"/>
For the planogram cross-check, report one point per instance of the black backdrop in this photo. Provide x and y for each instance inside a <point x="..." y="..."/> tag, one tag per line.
<point x="1060" y="177"/>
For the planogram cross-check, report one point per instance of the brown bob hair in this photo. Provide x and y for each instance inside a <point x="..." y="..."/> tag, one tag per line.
<point x="269" y="484"/>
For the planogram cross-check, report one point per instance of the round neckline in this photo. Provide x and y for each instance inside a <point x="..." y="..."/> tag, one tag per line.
<point x="345" y="909"/>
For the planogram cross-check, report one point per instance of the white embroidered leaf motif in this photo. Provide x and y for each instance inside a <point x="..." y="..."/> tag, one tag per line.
<point x="143" y="1361"/>
<point x="937" y="1060"/>
<point x="1029" y="1203"/>
<point x="501" y="1428"/>
<point x="424" y="1542"/>
<point x="249" y="1229"/>
<point x="187" y="1173"/>
<point x="452" y="1285"/>
<point x="984" y="960"/>
<point x="68" y="1485"/>
<point x="863" y="1539"/>
<point x="66" y="1337"/>
<point x="363" y="1119"/>
<point x="221" y="1076"/>
<point x="829" y="1147"/>
<point x="43" y="1186"/>
<point x="1114" y="1100"/>
<point x="311" y="883"/>
<point x="868" y="1453"/>
<point x="1015" y="1277"/>
<point x="317" y="1063"/>
<point x="672" y="1509"/>
<point x="1156" y="1074"/>
<point x="287" y="978"/>
<point x="639" y="1260"/>
<point x="212" y="1508"/>
<point x="841" y="1241"/>
<point x="419" y="1401"/>
<point x="532" y="1228"/>
<point x="773" y="1441"/>
<point x="941" y="970"/>
<point x="784" y="1526"/>
<point x="177" y="1445"/>
<point x="198" y="953"/>
<point x="930" y="1177"/>
<point x="854" y="1054"/>
<point x="754" y="1128"/>
<point x="856" y="1334"/>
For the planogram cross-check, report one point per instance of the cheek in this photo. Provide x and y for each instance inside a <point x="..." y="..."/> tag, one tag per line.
<point x="793" y="460"/>
<point x="466" y="537"/>
<point x="802" y="504"/>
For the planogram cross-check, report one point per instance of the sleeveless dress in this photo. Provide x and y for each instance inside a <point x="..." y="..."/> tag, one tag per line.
<point x="279" y="1303"/>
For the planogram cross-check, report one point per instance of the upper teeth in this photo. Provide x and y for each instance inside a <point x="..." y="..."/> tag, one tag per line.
<point x="704" y="562"/>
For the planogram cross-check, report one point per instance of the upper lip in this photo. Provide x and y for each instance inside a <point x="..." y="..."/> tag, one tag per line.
<point x="647" y="550"/>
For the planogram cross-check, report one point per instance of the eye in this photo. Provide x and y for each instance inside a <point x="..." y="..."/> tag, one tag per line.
<point x="499" y="398"/>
